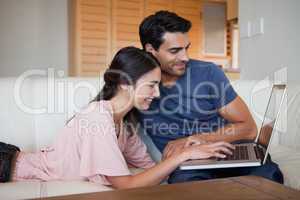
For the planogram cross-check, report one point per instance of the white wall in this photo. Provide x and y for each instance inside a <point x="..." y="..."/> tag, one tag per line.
<point x="279" y="47"/>
<point x="33" y="35"/>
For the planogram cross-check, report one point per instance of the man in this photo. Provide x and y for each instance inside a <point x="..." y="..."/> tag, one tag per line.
<point x="197" y="102"/>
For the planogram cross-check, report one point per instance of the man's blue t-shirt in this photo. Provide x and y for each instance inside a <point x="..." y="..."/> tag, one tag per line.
<point x="190" y="106"/>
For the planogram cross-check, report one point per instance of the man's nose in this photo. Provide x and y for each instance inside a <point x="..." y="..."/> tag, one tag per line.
<point x="184" y="56"/>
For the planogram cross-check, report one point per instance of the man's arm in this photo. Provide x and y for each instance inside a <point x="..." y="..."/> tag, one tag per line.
<point x="241" y="126"/>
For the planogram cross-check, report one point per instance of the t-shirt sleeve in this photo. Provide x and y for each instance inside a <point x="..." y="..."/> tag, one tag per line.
<point x="100" y="153"/>
<point x="221" y="88"/>
<point x="136" y="153"/>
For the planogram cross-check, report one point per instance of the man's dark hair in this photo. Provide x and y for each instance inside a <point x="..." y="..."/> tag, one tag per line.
<point x="153" y="27"/>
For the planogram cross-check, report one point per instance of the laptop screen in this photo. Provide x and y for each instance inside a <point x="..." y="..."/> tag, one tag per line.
<point x="271" y="113"/>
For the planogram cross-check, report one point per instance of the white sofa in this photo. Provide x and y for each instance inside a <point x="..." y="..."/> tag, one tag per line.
<point x="32" y="110"/>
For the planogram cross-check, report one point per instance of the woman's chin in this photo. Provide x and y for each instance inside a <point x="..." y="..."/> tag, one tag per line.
<point x="143" y="107"/>
<point x="146" y="107"/>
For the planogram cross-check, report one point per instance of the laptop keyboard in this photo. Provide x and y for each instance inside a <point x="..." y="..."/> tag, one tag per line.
<point x="259" y="152"/>
<point x="240" y="153"/>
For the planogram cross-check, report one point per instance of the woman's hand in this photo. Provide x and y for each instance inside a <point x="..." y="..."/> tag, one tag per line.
<point x="191" y="140"/>
<point x="178" y="145"/>
<point x="204" y="151"/>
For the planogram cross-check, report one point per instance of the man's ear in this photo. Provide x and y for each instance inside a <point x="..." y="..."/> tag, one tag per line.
<point x="149" y="48"/>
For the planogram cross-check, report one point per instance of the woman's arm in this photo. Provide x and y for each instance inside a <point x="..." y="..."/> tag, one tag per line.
<point x="159" y="172"/>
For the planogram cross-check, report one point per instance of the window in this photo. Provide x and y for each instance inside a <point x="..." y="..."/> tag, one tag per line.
<point x="214" y="25"/>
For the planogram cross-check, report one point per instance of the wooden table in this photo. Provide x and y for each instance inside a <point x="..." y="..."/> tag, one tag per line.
<point x="244" y="187"/>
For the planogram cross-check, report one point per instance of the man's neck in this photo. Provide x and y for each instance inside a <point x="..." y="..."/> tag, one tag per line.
<point x="168" y="80"/>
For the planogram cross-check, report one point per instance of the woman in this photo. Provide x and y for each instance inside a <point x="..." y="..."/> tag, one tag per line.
<point x="100" y="142"/>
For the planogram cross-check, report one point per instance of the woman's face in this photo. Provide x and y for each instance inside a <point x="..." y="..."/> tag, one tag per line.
<point x="146" y="89"/>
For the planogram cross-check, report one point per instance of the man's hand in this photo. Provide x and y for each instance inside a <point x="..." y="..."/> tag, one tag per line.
<point x="180" y="144"/>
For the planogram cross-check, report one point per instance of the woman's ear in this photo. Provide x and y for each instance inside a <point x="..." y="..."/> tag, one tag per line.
<point x="124" y="87"/>
<point x="129" y="89"/>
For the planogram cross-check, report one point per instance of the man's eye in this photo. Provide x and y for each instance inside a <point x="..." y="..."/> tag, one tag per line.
<point x="151" y="86"/>
<point x="174" y="51"/>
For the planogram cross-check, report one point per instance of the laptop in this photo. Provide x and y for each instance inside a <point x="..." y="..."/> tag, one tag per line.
<point x="248" y="154"/>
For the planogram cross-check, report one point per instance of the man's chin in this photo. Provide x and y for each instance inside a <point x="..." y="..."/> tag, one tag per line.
<point x="180" y="72"/>
<point x="176" y="72"/>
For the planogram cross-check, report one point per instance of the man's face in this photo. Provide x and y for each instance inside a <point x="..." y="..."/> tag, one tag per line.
<point x="172" y="53"/>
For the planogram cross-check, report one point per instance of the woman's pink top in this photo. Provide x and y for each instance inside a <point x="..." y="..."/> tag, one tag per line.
<point x="87" y="148"/>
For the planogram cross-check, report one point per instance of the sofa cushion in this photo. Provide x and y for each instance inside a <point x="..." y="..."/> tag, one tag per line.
<point x="59" y="188"/>
<point x="37" y="189"/>
<point x="17" y="126"/>
<point x="288" y="160"/>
